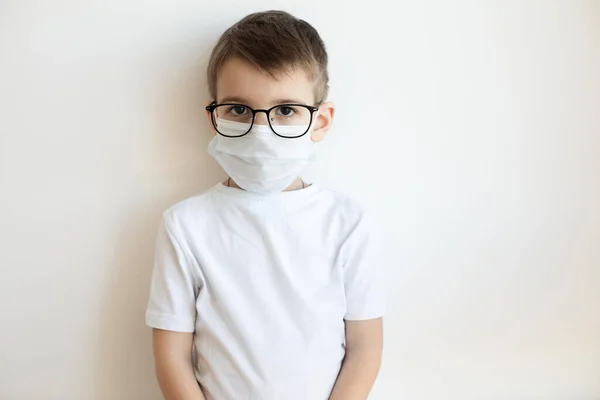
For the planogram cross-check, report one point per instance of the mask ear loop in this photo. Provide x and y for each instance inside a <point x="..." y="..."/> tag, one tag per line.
<point x="309" y="131"/>
<point x="314" y="120"/>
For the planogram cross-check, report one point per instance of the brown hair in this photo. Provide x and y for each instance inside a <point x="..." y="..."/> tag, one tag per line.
<point x="273" y="41"/>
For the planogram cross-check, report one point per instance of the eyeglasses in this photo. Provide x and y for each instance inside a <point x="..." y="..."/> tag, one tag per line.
<point x="288" y="121"/>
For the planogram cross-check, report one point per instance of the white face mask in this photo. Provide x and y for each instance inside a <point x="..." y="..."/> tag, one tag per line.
<point x="261" y="161"/>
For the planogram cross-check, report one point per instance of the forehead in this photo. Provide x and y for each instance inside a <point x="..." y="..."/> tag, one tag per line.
<point x="244" y="82"/>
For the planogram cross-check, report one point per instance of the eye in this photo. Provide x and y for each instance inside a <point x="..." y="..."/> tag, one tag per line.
<point x="238" y="110"/>
<point x="286" y="111"/>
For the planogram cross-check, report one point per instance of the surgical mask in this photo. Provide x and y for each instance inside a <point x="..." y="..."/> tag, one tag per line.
<point x="261" y="161"/>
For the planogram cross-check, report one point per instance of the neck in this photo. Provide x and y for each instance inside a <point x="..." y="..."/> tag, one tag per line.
<point x="298" y="184"/>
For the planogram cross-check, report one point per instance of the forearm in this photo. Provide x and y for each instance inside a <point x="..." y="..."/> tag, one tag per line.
<point x="174" y="370"/>
<point x="364" y="346"/>
<point x="177" y="380"/>
<point x="356" y="378"/>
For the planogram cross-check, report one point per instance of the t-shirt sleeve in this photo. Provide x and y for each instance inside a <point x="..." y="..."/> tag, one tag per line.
<point x="362" y="283"/>
<point x="175" y="285"/>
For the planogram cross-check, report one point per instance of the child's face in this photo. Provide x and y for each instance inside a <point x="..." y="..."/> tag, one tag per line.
<point x="241" y="82"/>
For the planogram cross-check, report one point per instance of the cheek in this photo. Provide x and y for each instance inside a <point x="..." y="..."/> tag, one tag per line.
<point x="210" y="124"/>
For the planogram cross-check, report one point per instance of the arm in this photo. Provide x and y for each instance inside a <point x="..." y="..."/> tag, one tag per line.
<point x="173" y="359"/>
<point x="364" y="344"/>
<point x="176" y="283"/>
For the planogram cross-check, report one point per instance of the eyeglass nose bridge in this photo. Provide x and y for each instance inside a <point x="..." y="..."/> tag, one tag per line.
<point x="268" y="123"/>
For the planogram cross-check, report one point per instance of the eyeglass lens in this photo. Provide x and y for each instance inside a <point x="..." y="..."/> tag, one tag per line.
<point x="285" y="120"/>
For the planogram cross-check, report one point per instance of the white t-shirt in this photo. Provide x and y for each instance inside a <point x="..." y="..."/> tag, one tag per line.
<point x="265" y="282"/>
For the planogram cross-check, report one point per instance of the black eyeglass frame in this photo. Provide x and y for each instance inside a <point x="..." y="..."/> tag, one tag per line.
<point x="267" y="112"/>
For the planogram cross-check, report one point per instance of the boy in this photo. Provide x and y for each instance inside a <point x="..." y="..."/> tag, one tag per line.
<point x="262" y="288"/>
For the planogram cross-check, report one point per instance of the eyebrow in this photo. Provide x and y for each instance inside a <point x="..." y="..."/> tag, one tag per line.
<point x="288" y="101"/>
<point x="241" y="100"/>
<point x="233" y="99"/>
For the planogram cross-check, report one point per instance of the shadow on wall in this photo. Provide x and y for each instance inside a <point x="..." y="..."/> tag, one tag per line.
<point x="179" y="168"/>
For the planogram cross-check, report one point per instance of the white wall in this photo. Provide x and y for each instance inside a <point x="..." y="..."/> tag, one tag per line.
<point x="471" y="129"/>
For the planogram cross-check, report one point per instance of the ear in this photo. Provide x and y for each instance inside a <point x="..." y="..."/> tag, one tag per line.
<point x="323" y="122"/>
<point x="210" y="124"/>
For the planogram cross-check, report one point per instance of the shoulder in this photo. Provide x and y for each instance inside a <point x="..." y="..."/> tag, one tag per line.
<point x="347" y="209"/>
<point x="188" y="211"/>
<point x="343" y="202"/>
